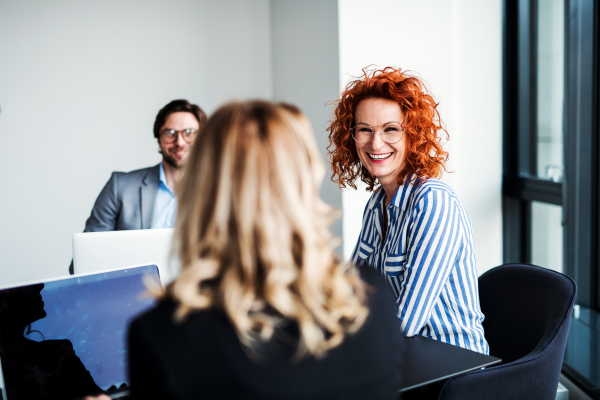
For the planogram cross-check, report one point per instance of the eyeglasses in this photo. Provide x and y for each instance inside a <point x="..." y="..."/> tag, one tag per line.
<point x="391" y="132"/>
<point x="170" y="135"/>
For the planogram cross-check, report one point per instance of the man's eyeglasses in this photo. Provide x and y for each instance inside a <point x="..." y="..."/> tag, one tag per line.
<point x="170" y="135"/>
<point x="391" y="132"/>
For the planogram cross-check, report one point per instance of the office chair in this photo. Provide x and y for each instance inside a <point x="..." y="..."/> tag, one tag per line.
<point x="527" y="317"/>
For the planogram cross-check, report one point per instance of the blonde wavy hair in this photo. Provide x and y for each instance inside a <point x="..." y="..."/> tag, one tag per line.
<point x="252" y="232"/>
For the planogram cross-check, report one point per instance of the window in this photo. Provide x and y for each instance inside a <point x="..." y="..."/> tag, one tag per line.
<point x="551" y="150"/>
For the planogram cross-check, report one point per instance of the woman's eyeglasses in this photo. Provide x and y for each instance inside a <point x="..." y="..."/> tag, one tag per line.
<point x="391" y="132"/>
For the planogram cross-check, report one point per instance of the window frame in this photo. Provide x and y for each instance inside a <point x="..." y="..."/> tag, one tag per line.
<point x="520" y="185"/>
<point x="579" y="192"/>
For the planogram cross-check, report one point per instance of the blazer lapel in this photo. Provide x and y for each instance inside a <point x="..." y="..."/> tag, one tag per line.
<point x="148" y="191"/>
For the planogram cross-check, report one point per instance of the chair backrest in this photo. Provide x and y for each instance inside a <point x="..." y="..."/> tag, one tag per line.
<point x="524" y="307"/>
<point x="527" y="316"/>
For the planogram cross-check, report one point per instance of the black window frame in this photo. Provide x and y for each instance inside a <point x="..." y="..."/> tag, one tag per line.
<point x="579" y="191"/>
<point x="520" y="184"/>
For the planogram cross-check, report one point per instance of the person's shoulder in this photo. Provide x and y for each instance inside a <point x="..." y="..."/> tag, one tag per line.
<point x="161" y="320"/>
<point x="160" y="317"/>
<point x="433" y="187"/>
<point x="138" y="173"/>
<point x="130" y="180"/>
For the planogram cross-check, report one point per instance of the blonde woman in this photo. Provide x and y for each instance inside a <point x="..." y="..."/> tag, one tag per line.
<point x="263" y="308"/>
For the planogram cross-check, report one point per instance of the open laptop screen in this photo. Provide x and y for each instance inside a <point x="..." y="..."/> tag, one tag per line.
<point x="67" y="338"/>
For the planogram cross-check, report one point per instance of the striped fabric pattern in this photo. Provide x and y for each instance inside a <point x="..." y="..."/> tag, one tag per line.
<point x="428" y="261"/>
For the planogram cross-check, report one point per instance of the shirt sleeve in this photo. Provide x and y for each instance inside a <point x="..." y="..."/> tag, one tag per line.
<point x="434" y="241"/>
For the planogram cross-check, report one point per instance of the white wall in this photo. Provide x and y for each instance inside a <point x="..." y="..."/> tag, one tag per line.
<point x="81" y="84"/>
<point x="306" y="69"/>
<point x="455" y="46"/>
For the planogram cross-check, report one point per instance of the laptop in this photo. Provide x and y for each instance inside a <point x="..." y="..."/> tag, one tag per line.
<point x="66" y="338"/>
<point x="98" y="251"/>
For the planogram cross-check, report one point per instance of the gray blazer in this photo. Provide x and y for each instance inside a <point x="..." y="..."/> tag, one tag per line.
<point x="126" y="202"/>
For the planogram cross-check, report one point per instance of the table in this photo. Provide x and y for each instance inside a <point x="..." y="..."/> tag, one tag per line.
<point x="427" y="361"/>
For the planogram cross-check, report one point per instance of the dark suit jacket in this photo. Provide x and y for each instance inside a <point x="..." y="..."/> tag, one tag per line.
<point x="125" y="203"/>
<point x="202" y="358"/>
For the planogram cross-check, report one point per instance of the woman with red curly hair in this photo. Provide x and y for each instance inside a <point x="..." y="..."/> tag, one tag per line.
<point x="415" y="232"/>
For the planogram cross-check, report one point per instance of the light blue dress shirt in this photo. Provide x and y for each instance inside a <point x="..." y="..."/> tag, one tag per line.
<point x="165" y="205"/>
<point x="428" y="260"/>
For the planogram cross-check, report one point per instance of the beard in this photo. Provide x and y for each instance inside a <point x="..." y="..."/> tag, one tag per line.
<point x="169" y="159"/>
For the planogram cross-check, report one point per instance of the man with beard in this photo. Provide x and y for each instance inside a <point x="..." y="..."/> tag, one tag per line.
<point x="144" y="199"/>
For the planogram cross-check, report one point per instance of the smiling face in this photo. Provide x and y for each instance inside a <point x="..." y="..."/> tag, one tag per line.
<point x="381" y="159"/>
<point x="175" y="153"/>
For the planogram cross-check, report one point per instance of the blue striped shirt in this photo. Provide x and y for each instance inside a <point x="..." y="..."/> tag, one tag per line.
<point x="428" y="260"/>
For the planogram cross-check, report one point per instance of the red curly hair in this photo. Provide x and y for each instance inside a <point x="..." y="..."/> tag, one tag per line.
<point x="424" y="154"/>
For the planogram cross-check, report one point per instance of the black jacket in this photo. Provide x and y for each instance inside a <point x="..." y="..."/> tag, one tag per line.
<point x="203" y="358"/>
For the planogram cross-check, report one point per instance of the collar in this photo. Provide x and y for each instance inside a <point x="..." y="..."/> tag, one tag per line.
<point x="162" y="178"/>
<point x="376" y="200"/>
<point x="401" y="197"/>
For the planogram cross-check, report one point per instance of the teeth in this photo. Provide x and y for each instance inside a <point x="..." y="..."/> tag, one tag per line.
<point x="379" y="156"/>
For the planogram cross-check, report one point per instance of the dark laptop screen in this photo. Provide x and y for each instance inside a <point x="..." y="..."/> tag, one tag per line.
<point x="67" y="338"/>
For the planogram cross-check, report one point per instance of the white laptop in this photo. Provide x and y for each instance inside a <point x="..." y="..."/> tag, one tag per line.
<point x="99" y="251"/>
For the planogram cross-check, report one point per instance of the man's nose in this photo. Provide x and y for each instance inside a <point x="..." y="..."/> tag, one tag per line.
<point x="180" y="140"/>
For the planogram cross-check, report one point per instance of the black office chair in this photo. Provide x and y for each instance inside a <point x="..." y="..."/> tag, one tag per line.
<point x="527" y="317"/>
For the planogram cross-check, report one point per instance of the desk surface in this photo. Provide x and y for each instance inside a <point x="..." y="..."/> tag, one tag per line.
<point x="427" y="360"/>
